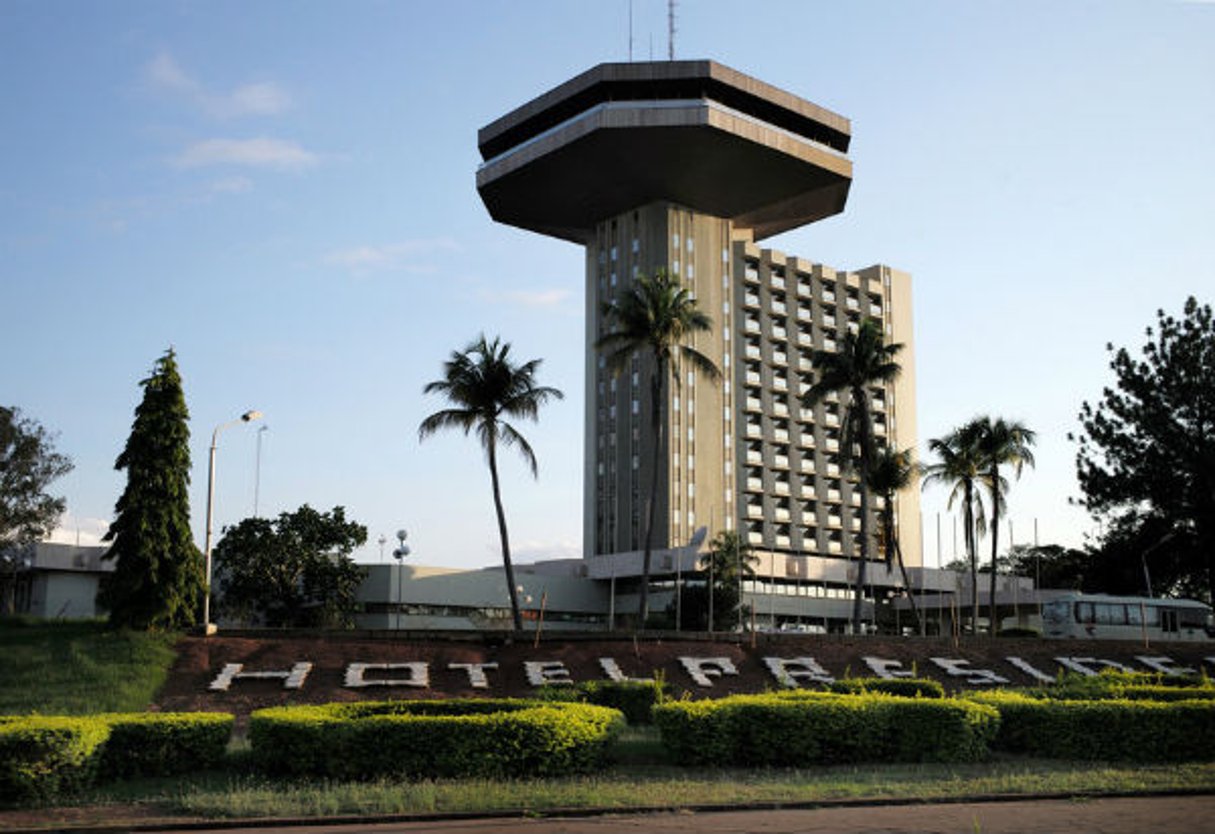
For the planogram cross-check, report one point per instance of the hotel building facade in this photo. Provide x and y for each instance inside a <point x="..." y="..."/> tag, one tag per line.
<point x="685" y="167"/>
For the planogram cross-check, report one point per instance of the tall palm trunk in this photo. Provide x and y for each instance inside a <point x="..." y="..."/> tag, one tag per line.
<point x="861" y="405"/>
<point x="506" y="562"/>
<point x="994" y="626"/>
<point x="657" y="390"/>
<point x="892" y="541"/>
<point x="972" y="555"/>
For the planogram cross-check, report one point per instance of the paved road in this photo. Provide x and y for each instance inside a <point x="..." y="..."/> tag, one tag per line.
<point x="1166" y="815"/>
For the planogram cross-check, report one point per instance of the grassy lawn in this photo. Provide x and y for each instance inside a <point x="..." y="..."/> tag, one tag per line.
<point x="72" y="668"/>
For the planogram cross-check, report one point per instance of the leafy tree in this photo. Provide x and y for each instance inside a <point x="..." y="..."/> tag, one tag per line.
<point x="1051" y="565"/>
<point x="891" y="472"/>
<point x="863" y="360"/>
<point x="485" y="385"/>
<point x="959" y="466"/>
<point x="653" y="319"/>
<point x="158" y="576"/>
<point x="715" y="591"/>
<point x="292" y="572"/>
<point x="1000" y="443"/>
<point x="1147" y="448"/>
<point x="28" y="466"/>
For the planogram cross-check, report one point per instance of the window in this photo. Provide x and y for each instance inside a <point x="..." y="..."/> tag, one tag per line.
<point x="636" y="245"/>
<point x="613" y="253"/>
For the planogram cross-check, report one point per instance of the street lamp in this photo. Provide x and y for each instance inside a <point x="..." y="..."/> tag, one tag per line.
<point x="399" y="554"/>
<point x="247" y="417"/>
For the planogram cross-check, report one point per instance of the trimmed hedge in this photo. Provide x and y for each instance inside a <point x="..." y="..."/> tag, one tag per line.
<point x="903" y="687"/>
<point x="813" y="728"/>
<point x="44" y="757"/>
<point x="1109" y="729"/>
<point x="164" y="743"/>
<point x="467" y="737"/>
<point x="636" y="699"/>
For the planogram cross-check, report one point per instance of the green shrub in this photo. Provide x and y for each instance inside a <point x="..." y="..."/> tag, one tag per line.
<point x="464" y="737"/>
<point x="1109" y="729"/>
<point x="903" y="687"/>
<point x="45" y="757"/>
<point x="811" y="728"/>
<point x="1119" y="685"/>
<point x="635" y="699"/>
<point x="164" y="743"/>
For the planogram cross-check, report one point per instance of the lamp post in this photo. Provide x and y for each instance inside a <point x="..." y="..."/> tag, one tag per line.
<point x="247" y="417"/>
<point x="399" y="553"/>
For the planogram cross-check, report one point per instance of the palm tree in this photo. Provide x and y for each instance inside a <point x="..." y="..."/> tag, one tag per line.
<point x="653" y="318"/>
<point x="484" y="385"/>
<point x="960" y="467"/>
<point x="890" y="473"/>
<point x="727" y="564"/>
<point x="862" y="361"/>
<point x="1000" y="442"/>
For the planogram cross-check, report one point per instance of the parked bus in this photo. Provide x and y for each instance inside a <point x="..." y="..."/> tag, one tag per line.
<point x="1104" y="617"/>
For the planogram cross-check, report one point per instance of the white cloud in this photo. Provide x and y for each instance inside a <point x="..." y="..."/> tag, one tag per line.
<point x="231" y="185"/>
<point x="262" y="152"/>
<point x="84" y="531"/>
<point x="404" y="255"/>
<point x="263" y="98"/>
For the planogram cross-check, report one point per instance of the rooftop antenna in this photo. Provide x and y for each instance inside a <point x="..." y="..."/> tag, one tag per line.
<point x="670" y="30"/>
<point x="630" y="31"/>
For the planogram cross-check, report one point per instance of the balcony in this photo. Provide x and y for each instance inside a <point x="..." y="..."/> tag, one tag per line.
<point x="831" y="444"/>
<point x="780" y="462"/>
<point x="755" y="511"/>
<point x="875" y="310"/>
<point x="781" y="435"/>
<point x="777" y="281"/>
<point x="755" y="484"/>
<point x="753" y="352"/>
<point x="808" y="491"/>
<point x="781" y="514"/>
<point x="804" y="338"/>
<point x="779" y="358"/>
<point x="750" y="300"/>
<point x="853" y="303"/>
<point x="807" y="466"/>
<point x="835" y="522"/>
<point x="755" y="430"/>
<point x="834" y="547"/>
<point x="833" y="495"/>
<point x="803" y="289"/>
<point x="831" y="418"/>
<point x="753" y="378"/>
<point x="753" y="404"/>
<point x="829" y="296"/>
<point x="803" y="313"/>
<point x="779" y="333"/>
<point x="779" y="308"/>
<point x="833" y="470"/>
<point x="755" y="538"/>
<point x="830" y="345"/>
<point x="780" y="487"/>
<point x="782" y="541"/>
<point x="751" y="274"/>
<point x="780" y="409"/>
<point x="751" y="325"/>
<point x="780" y="383"/>
<point x="754" y="457"/>
<point x="830" y="321"/>
<point x="806" y="441"/>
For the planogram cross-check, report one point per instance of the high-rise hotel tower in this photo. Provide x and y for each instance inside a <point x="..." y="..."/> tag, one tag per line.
<point x="685" y="166"/>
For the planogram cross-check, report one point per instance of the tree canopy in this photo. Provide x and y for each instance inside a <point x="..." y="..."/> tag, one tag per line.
<point x="728" y="561"/>
<point x="485" y="386"/>
<point x="158" y="576"/>
<point x="28" y="466"/>
<point x="291" y="572"/>
<point x="1146" y="456"/>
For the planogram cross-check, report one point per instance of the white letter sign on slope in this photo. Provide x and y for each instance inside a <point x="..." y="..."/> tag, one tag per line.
<point x="702" y="669"/>
<point x="419" y="675"/>
<point x="476" y="673"/>
<point x="292" y="678"/>
<point x="956" y="667"/>
<point x="887" y="668"/>
<point x="791" y="671"/>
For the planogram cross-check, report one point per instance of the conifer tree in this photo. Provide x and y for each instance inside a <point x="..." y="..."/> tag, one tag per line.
<point x="158" y="578"/>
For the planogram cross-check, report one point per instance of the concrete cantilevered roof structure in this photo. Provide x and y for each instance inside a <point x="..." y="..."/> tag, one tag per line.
<point x="694" y="133"/>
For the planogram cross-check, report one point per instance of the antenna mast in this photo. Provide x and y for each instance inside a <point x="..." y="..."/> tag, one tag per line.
<point x="670" y="30"/>
<point x="630" y="31"/>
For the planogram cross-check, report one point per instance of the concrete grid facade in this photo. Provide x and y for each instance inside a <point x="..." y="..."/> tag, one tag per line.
<point x="685" y="167"/>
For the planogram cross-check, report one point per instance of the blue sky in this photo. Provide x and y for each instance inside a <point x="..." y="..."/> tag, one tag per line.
<point x="284" y="192"/>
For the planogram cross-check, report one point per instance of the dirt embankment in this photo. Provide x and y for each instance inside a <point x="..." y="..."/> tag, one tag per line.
<point x="442" y="665"/>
